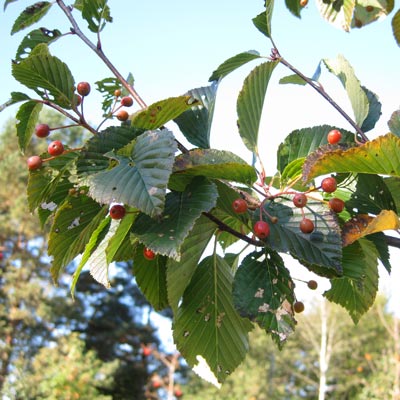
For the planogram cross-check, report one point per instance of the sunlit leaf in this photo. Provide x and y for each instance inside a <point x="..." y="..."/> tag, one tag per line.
<point x="159" y="113"/>
<point x="251" y="101"/>
<point x="357" y="95"/>
<point x="362" y="225"/>
<point x="30" y="15"/>
<point x="338" y="13"/>
<point x="396" y="26"/>
<point x="141" y="180"/>
<point x="293" y="79"/>
<point x="356" y="290"/>
<point x="233" y="63"/>
<point x="378" y="156"/>
<point x="263" y="292"/>
<point x="263" y="21"/>
<point x="207" y="324"/>
<point x="367" y="11"/>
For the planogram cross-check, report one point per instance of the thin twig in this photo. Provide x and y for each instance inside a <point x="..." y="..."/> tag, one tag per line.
<point x="99" y="51"/>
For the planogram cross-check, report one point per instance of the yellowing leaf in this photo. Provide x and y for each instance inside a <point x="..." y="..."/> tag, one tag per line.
<point x="378" y="156"/>
<point x="363" y="225"/>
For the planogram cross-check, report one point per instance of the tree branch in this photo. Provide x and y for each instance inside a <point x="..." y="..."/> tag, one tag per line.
<point x="392" y="241"/>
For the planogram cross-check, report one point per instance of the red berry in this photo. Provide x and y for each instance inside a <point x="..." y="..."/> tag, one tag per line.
<point x="336" y="205"/>
<point x="329" y="184"/>
<point x="334" y="136"/>
<point x="148" y="254"/>
<point x="306" y="225"/>
<point x="261" y="229"/>
<point x="42" y="130"/>
<point x="147" y="351"/>
<point x="83" y="88"/>
<point x="298" y="307"/>
<point x="178" y="393"/>
<point x="117" y="211"/>
<point x="303" y="3"/>
<point x="300" y="200"/>
<point x="126" y="101"/>
<point x="239" y="206"/>
<point x="312" y="284"/>
<point x="78" y="100"/>
<point x="156" y="384"/>
<point x="122" y="115"/>
<point x="55" y="148"/>
<point x="117" y="92"/>
<point x="34" y="162"/>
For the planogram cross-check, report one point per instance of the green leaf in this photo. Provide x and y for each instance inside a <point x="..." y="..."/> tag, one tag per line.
<point x="27" y="117"/>
<point x="166" y="235"/>
<point x="121" y="234"/>
<point x="7" y="2"/>
<point x="367" y="11"/>
<point x="251" y="101"/>
<point x="93" y="159"/>
<point x="95" y="12"/>
<point x="32" y="39"/>
<point x="371" y="195"/>
<point x="394" y="123"/>
<point x="300" y="143"/>
<point x="141" y="180"/>
<point x="263" y="292"/>
<point x="195" y="123"/>
<point x="378" y="156"/>
<point x="323" y="247"/>
<point x="97" y="262"/>
<point x="107" y="87"/>
<point x="292" y="171"/>
<point x="151" y="278"/>
<point x="293" y="79"/>
<point x="207" y="326"/>
<point x="16" y="97"/>
<point x="215" y="164"/>
<point x="179" y="273"/>
<point x="379" y="241"/>
<point x="393" y="184"/>
<point x="294" y="7"/>
<point x="233" y="63"/>
<point x="75" y="221"/>
<point x="357" y="95"/>
<point x="49" y="77"/>
<point x="263" y="21"/>
<point x="161" y="112"/>
<point x="396" y="26"/>
<point x="356" y="290"/>
<point x="338" y="13"/>
<point x="30" y="15"/>
<point x="89" y="248"/>
<point x="374" y="110"/>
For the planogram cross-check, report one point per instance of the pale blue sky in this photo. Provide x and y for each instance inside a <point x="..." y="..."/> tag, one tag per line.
<point x="171" y="47"/>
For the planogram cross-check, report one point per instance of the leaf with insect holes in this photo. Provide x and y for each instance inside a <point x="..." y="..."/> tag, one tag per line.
<point x="179" y="273"/>
<point x="139" y="180"/>
<point x="30" y="15"/>
<point x="263" y="292"/>
<point x="161" y="112"/>
<point x="95" y="12"/>
<point x="233" y="63"/>
<point x="251" y="101"/>
<point x="151" y="277"/>
<point x="213" y="164"/>
<point x="207" y="326"/>
<point x="323" y="247"/>
<point x="27" y="117"/>
<point x="378" y="156"/>
<point x="166" y="235"/>
<point x="362" y="225"/>
<point x="49" y="77"/>
<point x="367" y="11"/>
<point x="195" y="123"/>
<point x="74" y="222"/>
<point x="107" y="87"/>
<point x="33" y="38"/>
<point x="301" y="142"/>
<point x="356" y="290"/>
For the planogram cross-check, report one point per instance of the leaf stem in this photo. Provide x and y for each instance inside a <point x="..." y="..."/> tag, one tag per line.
<point x="276" y="56"/>
<point x="99" y="51"/>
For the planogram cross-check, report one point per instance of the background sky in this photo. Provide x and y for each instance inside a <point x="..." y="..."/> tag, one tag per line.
<point x="173" y="46"/>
